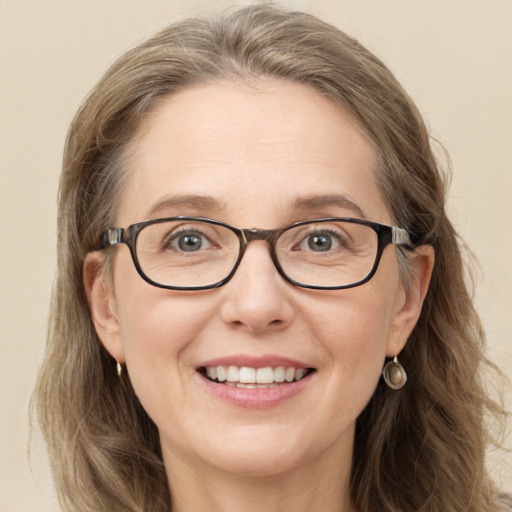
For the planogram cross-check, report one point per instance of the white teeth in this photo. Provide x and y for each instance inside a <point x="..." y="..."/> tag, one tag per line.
<point x="289" y="374"/>
<point x="247" y="375"/>
<point x="249" y="386"/>
<point x="253" y="386"/>
<point x="299" y="373"/>
<point x="279" y="374"/>
<point x="232" y="374"/>
<point x="250" y="378"/>
<point x="211" y="371"/>
<point x="265" y="375"/>
<point x="221" y="373"/>
<point x="246" y="386"/>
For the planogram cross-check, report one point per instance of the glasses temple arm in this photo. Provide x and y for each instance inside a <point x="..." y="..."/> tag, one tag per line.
<point x="112" y="236"/>
<point x="400" y="236"/>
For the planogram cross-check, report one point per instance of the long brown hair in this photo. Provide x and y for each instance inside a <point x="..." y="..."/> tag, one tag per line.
<point x="422" y="448"/>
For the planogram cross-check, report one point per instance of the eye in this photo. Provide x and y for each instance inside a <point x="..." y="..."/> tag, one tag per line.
<point x="321" y="241"/>
<point x="187" y="241"/>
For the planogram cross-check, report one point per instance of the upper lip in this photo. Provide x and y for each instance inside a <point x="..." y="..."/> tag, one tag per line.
<point x="254" y="362"/>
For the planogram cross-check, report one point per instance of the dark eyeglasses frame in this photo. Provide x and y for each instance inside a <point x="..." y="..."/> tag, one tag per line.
<point x="386" y="235"/>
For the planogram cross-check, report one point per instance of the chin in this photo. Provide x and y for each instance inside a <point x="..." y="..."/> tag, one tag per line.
<point x="265" y="450"/>
<point x="258" y="461"/>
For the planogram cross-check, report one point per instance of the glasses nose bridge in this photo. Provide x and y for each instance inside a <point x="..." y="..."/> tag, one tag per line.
<point x="267" y="235"/>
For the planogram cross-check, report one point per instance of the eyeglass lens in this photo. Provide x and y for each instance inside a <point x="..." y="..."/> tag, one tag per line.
<point x="190" y="253"/>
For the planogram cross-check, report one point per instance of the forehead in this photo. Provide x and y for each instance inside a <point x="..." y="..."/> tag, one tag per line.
<point x="263" y="145"/>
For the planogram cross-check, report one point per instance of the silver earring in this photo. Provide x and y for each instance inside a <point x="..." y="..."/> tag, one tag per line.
<point x="394" y="374"/>
<point x="119" y="369"/>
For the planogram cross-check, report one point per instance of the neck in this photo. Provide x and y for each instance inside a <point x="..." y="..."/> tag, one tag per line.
<point x="318" y="485"/>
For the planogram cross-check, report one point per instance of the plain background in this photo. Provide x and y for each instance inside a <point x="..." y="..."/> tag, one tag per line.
<point x="454" y="58"/>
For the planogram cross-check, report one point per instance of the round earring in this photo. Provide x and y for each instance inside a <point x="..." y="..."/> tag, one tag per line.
<point x="119" y="369"/>
<point x="394" y="374"/>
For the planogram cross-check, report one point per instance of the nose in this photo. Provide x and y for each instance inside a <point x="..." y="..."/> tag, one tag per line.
<point x="257" y="298"/>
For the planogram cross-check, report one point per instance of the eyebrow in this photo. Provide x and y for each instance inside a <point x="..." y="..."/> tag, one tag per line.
<point x="205" y="203"/>
<point x="210" y="204"/>
<point x="337" y="200"/>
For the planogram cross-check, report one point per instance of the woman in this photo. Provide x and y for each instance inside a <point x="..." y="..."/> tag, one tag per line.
<point x="252" y="230"/>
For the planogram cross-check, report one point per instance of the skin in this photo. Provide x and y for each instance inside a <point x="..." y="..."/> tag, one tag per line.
<point x="255" y="150"/>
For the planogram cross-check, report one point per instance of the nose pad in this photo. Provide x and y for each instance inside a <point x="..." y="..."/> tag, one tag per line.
<point x="257" y="298"/>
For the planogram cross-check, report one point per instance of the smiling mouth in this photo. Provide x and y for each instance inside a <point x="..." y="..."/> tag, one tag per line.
<point x="254" y="378"/>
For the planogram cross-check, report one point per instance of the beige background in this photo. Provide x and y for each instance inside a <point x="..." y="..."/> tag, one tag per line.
<point x="454" y="57"/>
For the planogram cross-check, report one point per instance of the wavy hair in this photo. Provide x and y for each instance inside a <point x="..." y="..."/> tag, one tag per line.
<point x="422" y="448"/>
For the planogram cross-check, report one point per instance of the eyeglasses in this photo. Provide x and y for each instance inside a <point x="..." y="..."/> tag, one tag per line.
<point x="195" y="253"/>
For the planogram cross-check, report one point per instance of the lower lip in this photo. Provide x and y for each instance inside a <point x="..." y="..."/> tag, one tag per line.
<point x="258" y="398"/>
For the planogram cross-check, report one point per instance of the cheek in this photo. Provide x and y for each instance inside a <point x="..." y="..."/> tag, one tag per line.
<point x="158" y="343"/>
<point x="357" y="342"/>
<point x="353" y="332"/>
<point x="356" y="324"/>
<point x="158" y="328"/>
<point x="356" y="367"/>
<point x="152" y="320"/>
<point x="159" y="325"/>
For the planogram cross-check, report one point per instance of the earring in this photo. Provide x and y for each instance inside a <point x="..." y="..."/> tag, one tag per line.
<point x="394" y="374"/>
<point x="119" y="369"/>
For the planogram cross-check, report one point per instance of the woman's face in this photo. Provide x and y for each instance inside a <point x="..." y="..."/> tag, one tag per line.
<point x="263" y="156"/>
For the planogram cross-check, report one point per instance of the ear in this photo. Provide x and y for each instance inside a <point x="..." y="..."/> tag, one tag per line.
<point x="102" y="305"/>
<point x="408" y="308"/>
